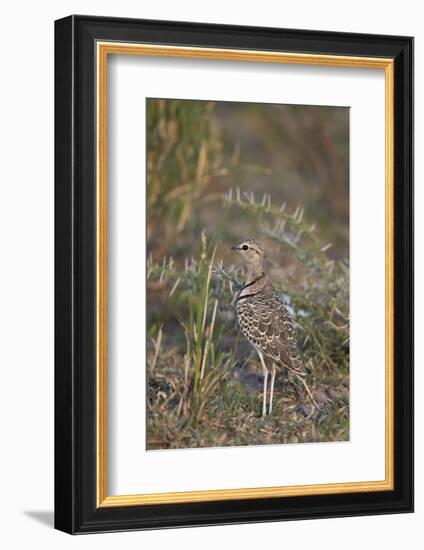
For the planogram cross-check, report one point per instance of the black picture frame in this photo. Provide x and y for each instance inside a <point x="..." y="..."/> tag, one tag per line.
<point x="76" y="510"/>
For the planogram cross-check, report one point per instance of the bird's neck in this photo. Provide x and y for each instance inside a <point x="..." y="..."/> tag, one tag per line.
<point x="254" y="270"/>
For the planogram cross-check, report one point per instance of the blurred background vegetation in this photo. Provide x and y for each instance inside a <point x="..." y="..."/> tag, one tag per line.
<point x="218" y="172"/>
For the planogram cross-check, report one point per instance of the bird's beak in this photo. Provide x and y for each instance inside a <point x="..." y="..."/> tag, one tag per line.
<point x="234" y="248"/>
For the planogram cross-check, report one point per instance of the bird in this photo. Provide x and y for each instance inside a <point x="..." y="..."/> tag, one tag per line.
<point x="264" y="320"/>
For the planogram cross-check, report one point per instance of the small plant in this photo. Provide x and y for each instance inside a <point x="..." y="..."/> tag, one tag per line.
<point x="203" y="355"/>
<point x="203" y="345"/>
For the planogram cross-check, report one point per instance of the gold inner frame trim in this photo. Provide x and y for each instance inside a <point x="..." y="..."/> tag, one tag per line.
<point x="103" y="50"/>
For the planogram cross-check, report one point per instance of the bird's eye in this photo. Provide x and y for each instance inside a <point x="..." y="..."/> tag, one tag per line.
<point x="245" y="247"/>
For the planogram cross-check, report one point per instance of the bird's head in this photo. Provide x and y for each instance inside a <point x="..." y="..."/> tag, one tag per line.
<point x="250" y="250"/>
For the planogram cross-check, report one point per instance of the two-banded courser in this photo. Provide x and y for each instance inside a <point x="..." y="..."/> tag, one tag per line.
<point x="264" y="320"/>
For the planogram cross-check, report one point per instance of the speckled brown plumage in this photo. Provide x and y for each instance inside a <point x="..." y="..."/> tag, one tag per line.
<point x="265" y="322"/>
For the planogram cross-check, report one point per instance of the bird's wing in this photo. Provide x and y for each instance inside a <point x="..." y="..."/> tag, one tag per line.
<point x="275" y="332"/>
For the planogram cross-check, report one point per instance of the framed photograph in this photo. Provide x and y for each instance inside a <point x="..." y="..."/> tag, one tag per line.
<point x="234" y="274"/>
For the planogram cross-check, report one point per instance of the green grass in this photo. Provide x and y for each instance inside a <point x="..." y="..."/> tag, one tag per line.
<point x="231" y="415"/>
<point x="204" y="382"/>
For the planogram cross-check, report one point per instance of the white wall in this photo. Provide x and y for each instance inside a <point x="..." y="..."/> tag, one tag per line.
<point x="26" y="272"/>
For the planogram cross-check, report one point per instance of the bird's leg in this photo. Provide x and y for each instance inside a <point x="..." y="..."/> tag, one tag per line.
<point x="265" y="371"/>
<point x="271" y="391"/>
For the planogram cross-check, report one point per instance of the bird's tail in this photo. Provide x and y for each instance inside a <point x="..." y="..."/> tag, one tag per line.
<point x="299" y="370"/>
<point x="296" y="366"/>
